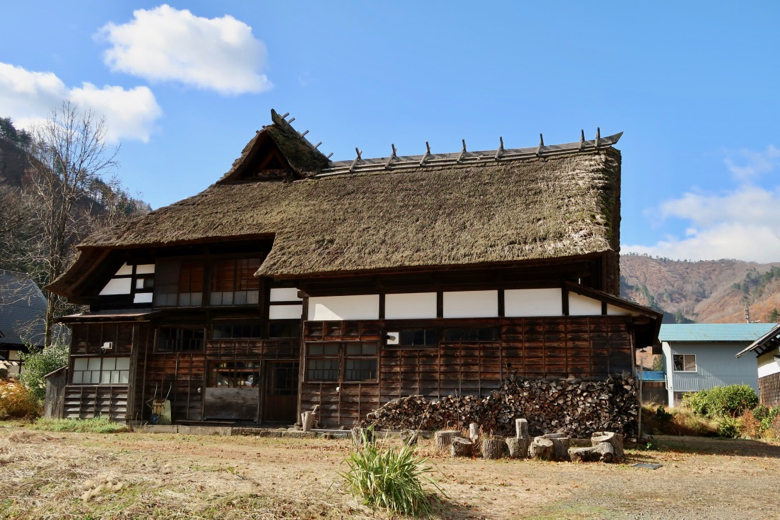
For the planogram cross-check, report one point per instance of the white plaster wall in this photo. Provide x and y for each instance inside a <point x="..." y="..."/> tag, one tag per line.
<point x="117" y="286"/>
<point x="285" y="312"/>
<point x="410" y="306"/>
<point x="285" y="294"/>
<point x="767" y="364"/>
<point x="580" y="305"/>
<point x="337" y="308"/>
<point x="519" y="303"/>
<point x="471" y="304"/>
<point x="617" y="311"/>
<point x="143" y="297"/>
<point x="144" y="269"/>
<point x="125" y="270"/>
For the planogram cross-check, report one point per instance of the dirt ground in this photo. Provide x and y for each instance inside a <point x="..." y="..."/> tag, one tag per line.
<point x="131" y="475"/>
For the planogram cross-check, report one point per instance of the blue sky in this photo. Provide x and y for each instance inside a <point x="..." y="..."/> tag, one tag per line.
<point x="184" y="85"/>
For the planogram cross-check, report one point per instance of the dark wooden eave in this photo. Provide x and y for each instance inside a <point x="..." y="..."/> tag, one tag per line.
<point x="766" y="343"/>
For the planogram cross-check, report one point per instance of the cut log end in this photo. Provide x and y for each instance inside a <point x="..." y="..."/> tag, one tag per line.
<point x="461" y="447"/>
<point x="493" y="448"/>
<point x="444" y="439"/>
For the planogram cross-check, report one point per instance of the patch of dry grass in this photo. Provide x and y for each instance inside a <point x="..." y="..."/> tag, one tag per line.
<point x="16" y="402"/>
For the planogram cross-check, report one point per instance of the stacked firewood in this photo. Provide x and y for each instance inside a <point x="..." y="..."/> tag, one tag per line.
<point x="576" y="408"/>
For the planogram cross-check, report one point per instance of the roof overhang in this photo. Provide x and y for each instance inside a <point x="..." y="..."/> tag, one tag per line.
<point x="645" y="317"/>
<point x="130" y="316"/>
<point x="764" y="344"/>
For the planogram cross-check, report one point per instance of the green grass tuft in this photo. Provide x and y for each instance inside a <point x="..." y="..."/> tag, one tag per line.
<point x="95" y="425"/>
<point x="391" y="478"/>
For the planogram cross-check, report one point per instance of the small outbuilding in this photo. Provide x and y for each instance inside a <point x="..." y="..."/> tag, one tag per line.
<point x="700" y="356"/>
<point x="767" y="350"/>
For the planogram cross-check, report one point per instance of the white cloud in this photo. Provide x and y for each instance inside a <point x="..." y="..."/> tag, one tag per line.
<point x="166" y="44"/>
<point x="27" y="97"/>
<point x="744" y="224"/>
<point x="748" y="164"/>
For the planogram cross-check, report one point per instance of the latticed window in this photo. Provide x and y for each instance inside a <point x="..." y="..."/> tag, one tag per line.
<point x="180" y="339"/>
<point x="360" y="362"/>
<point x="233" y="282"/>
<point x="323" y="362"/>
<point x="240" y="329"/>
<point x="341" y="362"/>
<point x="471" y="335"/>
<point x="101" y="371"/>
<point x="178" y="284"/>
<point x="419" y="337"/>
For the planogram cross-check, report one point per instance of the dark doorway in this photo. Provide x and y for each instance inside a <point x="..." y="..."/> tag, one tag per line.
<point x="281" y="391"/>
<point x="232" y="391"/>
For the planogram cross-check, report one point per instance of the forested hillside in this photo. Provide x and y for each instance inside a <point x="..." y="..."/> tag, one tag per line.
<point x="714" y="291"/>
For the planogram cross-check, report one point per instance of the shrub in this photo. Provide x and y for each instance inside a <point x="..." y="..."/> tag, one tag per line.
<point x="390" y="478"/>
<point x="750" y="426"/>
<point x="16" y="402"/>
<point x="40" y="362"/>
<point x="722" y="401"/>
<point x="729" y="427"/>
<point x="678" y="421"/>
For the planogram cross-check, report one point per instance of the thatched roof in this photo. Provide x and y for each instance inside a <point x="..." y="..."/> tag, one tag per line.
<point x="505" y="209"/>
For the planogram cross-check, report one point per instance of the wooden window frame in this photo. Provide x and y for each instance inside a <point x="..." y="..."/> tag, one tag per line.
<point x="103" y="335"/>
<point x="239" y="281"/>
<point x="100" y="370"/>
<point x="178" y="347"/>
<point x="342" y="357"/>
<point x="242" y="264"/>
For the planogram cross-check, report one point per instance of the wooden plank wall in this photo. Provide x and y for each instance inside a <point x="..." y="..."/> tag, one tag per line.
<point x="543" y="348"/>
<point x="184" y="373"/>
<point x="88" y="401"/>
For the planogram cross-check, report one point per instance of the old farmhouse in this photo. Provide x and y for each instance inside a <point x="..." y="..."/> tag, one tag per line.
<point x="295" y="281"/>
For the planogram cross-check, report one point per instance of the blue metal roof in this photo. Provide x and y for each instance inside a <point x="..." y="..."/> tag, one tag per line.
<point x="714" y="331"/>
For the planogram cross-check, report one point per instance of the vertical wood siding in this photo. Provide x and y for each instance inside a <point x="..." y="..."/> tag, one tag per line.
<point x="545" y="348"/>
<point x="184" y="373"/>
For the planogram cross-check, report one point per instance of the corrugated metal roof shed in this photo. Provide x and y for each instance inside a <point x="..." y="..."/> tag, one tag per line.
<point x="714" y="331"/>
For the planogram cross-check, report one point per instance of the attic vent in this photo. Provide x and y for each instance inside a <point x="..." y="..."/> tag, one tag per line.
<point x="273" y="166"/>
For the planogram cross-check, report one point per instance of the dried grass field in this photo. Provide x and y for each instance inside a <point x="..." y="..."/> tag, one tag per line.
<point x="137" y="475"/>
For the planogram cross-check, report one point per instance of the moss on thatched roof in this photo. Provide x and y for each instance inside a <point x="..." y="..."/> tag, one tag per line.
<point x="502" y="211"/>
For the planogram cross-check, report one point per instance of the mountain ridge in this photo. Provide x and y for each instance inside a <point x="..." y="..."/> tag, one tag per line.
<point x="706" y="291"/>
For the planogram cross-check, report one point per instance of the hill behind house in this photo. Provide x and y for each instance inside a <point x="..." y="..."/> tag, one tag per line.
<point x="712" y="291"/>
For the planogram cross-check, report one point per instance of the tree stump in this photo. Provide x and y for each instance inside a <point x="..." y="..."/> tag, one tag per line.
<point x="461" y="447"/>
<point x="444" y="439"/>
<point x="614" y="439"/>
<point x="603" y="452"/>
<point x="560" y="445"/>
<point x="493" y="448"/>
<point x="474" y="432"/>
<point x="521" y="425"/>
<point x="518" y="448"/>
<point x="542" y="449"/>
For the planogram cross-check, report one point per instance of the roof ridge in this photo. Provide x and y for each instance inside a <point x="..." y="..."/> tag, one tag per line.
<point x="464" y="157"/>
